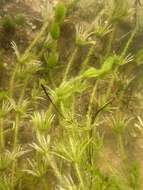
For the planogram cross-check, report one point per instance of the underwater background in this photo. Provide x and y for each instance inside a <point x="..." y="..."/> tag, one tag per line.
<point x="71" y="95"/>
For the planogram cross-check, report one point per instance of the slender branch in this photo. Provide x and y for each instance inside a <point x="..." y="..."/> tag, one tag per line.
<point x="139" y="2"/>
<point x="100" y="109"/>
<point x="51" y="101"/>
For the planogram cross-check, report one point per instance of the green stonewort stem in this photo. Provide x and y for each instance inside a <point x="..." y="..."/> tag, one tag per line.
<point x="2" y="142"/>
<point x="109" y="47"/>
<point x="58" y="174"/>
<point x="12" y="83"/>
<point x="79" y="175"/>
<point x="121" y="147"/>
<point x="121" y="96"/>
<point x="89" y="112"/>
<point x="49" y="110"/>
<point x="23" y="89"/>
<point x="91" y="100"/>
<point x="109" y="90"/>
<point x="12" y="80"/>
<point x="111" y="38"/>
<point x="132" y="36"/>
<point x="89" y="123"/>
<point x="17" y="114"/>
<point x="87" y="59"/>
<point x="27" y="51"/>
<point x="17" y="121"/>
<point x="37" y="38"/>
<point x="69" y="65"/>
<point x="110" y="86"/>
<point x="42" y="50"/>
<point x="55" y="169"/>
<point x="128" y="43"/>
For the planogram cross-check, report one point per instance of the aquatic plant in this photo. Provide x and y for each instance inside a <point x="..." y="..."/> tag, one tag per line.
<point x="65" y="120"/>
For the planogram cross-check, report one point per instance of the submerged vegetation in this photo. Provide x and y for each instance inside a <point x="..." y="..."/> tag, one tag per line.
<point x="71" y="95"/>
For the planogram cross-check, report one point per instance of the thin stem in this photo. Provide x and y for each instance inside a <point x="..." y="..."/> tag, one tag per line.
<point x="109" y="90"/>
<point x="79" y="175"/>
<point x="27" y="51"/>
<point x="23" y="89"/>
<point x="52" y="103"/>
<point x="37" y="38"/>
<point x="57" y="173"/>
<point x="121" y="147"/>
<point x="11" y="85"/>
<point x="87" y="59"/>
<point x="91" y="100"/>
<point x="110" y="86"/>
<point x="2" y="143"/>
<point x="71" y="60"/>
<point x="17" y="120"/>
<point x="89" y="123"/>
<point x="128" y="43"/>
<point x="109" y="47"/>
